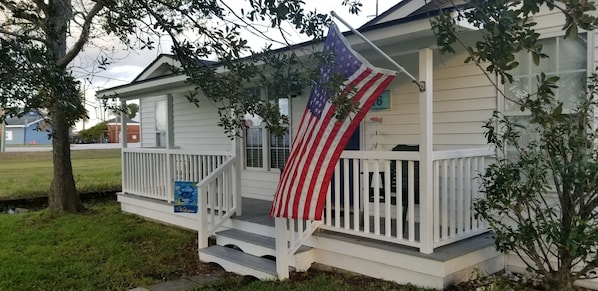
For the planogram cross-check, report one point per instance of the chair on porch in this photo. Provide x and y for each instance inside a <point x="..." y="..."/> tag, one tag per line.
<point x="393" y="180"/>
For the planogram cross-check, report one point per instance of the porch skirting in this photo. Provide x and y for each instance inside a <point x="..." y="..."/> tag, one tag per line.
<point x="448" y="265"/>
<point x="156" y="210"/>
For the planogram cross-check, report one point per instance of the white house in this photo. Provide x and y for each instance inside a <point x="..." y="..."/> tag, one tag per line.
<point x="429" y="144"/>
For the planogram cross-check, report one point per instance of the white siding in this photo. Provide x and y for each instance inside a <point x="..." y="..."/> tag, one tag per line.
<point x="196" y="127"/>
<point x="259" y="184"/>
<point x="463" y="100"/>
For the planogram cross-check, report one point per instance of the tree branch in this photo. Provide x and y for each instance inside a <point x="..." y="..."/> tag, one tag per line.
<point x="41" y="5"/>
<point x="78" y="46"/>
<point x="21" y="36"/>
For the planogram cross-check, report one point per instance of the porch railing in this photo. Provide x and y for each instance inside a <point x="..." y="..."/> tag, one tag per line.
<point x="376" y="195"/>
<point x="151" y="172"/>
<point x="456" y="187"/>
<point x="217" y="199"/>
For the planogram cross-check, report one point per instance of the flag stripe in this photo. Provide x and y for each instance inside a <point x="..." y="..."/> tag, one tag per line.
<point x="324" y="174"/>
<point x="321" y="137"/>
<point x="317" y="147"/>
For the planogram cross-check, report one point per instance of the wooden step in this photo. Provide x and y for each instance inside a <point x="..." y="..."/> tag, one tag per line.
<point x="238" y="262"/>
<point x="252" y="243"/>
<point x="260" y="245"/>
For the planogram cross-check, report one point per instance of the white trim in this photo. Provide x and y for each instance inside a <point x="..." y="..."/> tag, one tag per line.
<point x="161" y="60"/>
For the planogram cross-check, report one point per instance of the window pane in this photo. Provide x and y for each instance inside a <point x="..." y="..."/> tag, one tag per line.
<point x="515" y="91"/>
<point x="279" y="150"/>
<point x="572" y="88"/>
<point x="567" y="59"/>
<point x="547" y="65"/>
<point x="161" y="139"/>
<point x="252" y="120"/>
<point x="283" y="106"/>
<point x="524" y="63"/>
<point x="254" y="148"/>
<point x="572" y="55"/>
<point x="161" y="115"/>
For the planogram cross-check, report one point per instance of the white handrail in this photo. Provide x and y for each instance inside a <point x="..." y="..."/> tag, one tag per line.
<point x="217" y="172"/>
<point x="216" y="193"/>
<point x="462" y="153"/>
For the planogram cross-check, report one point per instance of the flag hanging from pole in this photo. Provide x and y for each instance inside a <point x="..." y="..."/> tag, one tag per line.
<point x="321" y="137"/>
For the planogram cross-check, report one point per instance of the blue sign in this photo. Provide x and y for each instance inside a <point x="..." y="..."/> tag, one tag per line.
<point x="185" y="197"/>
<point x="383" y="101"/>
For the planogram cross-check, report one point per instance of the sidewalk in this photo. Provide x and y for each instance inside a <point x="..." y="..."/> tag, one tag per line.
<point x="184" y="283"/>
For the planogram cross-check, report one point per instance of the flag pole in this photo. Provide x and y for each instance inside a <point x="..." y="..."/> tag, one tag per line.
<point x="420" y="84"/>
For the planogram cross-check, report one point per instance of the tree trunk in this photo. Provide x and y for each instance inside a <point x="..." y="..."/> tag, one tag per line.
<point x="63" y="196"/>
<point x="561" y="280"/>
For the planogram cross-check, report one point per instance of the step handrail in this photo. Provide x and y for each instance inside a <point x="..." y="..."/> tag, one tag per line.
<point x="205" y="187"/>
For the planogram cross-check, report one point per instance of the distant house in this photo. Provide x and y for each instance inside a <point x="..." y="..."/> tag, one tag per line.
<point x="114" y="130"/>
<point x="31" y="128"/>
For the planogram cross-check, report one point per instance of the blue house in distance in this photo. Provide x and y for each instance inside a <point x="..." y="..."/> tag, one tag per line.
<point x="31" y="128"/>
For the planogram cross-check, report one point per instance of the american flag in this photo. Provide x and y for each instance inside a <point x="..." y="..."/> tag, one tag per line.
<point x="321" y="137"/>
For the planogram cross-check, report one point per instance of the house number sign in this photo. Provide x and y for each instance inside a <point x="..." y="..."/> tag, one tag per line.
<point x="383" y="101"/>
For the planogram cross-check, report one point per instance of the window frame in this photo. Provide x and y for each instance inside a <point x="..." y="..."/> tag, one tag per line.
<point x="266" y="136"/>
<point x="554" y="35"/>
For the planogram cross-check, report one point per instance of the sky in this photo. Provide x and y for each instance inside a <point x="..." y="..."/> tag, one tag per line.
<point x="128" y="64"/>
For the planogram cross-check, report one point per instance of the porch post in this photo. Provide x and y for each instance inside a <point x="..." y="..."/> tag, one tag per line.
<point x="202" y="232"/>
<point x="282" y="249"/>
<point x="169" y="146"/>
<point x="237" y="175"/>
<point x="426" y="213"/>
<point x="123" y="125"/>
<point x="123" y="145"/>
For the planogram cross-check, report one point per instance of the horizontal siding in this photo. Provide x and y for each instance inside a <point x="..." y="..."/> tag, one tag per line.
<point x="259" y="184"/>
<point x="196" y="127"/>
<point x="464" y="99"/>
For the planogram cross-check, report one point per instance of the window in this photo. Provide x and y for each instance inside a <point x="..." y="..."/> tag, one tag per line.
<point x="567" y="60"/>
<point x="279" y="150"/>
<point x="161" y="122"/>
<point x="263" y="149"/>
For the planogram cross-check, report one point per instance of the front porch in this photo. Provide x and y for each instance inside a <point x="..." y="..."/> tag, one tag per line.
<point x="374" y="226"/>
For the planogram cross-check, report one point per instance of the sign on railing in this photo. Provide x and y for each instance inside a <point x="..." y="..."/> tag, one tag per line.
<point x="185" y="197"/>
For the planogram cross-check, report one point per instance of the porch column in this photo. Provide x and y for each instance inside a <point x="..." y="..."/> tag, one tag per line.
<point x="123" y="145"/>
<point x="237" y="175"/>
<point x="123" y="125"/>
<point x="169" y="146"/>
<point x="426" y="213"/>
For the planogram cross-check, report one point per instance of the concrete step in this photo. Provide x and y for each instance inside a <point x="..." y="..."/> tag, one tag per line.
<point x="238" y="262"/>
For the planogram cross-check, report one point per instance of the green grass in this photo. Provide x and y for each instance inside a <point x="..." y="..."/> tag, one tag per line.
<point x="29" y="174"/>
<point x="103" y="249"/>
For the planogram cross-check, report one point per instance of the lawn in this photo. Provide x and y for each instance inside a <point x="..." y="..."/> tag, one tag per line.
<point x="29" y="174"/>
<point x="102" y="249"/>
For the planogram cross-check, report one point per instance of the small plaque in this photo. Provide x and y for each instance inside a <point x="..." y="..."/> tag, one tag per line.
<point x="383" y="101"/>
<point x="185" y="197"/>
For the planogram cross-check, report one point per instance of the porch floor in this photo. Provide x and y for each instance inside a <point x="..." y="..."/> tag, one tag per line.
<point x="258" y="211"/>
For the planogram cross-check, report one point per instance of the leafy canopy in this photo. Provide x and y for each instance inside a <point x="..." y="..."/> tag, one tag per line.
<point x="542" y="195"/>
